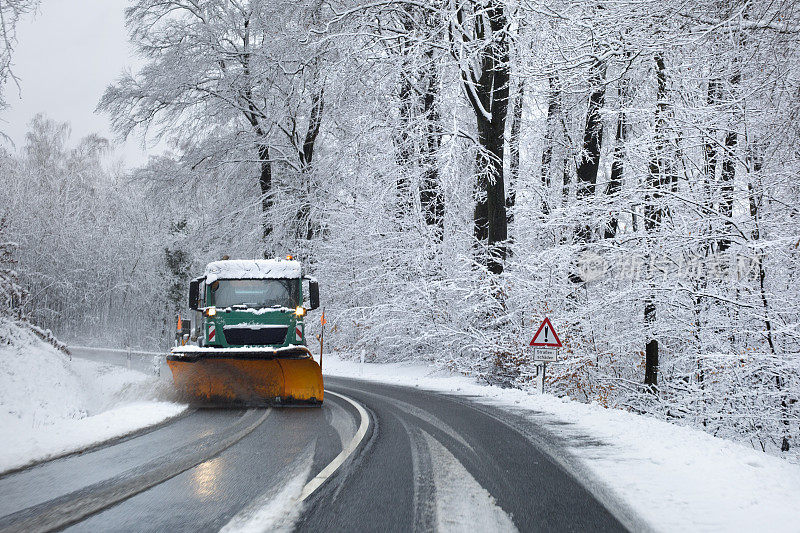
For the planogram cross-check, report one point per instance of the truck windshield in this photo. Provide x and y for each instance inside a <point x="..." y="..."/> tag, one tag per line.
<point x="254" y="292"/>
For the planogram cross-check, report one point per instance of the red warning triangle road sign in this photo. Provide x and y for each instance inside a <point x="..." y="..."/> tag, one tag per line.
<point x="546" y="336"/>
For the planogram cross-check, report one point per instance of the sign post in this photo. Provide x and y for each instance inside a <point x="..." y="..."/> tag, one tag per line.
<point x="545" y="346"/>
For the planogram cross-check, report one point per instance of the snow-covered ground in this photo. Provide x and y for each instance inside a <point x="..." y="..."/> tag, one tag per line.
<point x="50" y="406"/>
<point x="675" y="478"/>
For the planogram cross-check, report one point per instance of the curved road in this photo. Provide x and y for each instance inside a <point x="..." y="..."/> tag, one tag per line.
<point x="421" y="462"/>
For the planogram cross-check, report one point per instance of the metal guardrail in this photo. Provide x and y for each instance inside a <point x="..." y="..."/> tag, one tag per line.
<point x="149" y="362"/>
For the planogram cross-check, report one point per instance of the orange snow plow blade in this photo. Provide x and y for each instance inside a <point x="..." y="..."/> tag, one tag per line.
<point x="248" y="376"/>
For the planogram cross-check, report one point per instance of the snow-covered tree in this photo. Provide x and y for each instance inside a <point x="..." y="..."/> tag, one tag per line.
<point x="248" y="75"/>
<point x="643" y="154"/>
<point x="11" y="11"/>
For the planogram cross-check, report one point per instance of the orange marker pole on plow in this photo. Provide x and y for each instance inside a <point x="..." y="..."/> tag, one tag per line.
<point x="321" y="336"/>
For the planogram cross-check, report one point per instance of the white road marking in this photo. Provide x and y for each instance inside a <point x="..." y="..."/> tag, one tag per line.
<point x="334" y="465"/>
<point x="279" y="510"/>
<point x="423" y="415"/>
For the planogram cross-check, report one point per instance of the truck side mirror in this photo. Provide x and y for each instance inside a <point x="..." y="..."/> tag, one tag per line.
<point x="313" y="294"/>
<point x="194" y="293"/>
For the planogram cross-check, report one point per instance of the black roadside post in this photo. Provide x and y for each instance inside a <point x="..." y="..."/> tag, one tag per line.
<point x="321" y="336"/>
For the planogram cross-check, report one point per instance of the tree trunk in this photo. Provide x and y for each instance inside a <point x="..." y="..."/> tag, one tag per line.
<point x="617" y="166"/>
<point x="488" y="92"/>
<point x="265" y="181"/>
<point x="592" y="140"/>
<point x="566" y="181"/>
<point x="314" y="124"/>
<point x="710" y="145"/>
<point x="552" y="126"/>
<point x="513" y="150"/>
<point x="490" y="209"/>
<point x="262" y="144"/>
<point x="709" y="177"/>
<point x="430" y="193"/>
<point x="659" y="177"/>
<point x="651" y="350"/>
<point x="756" y="198"/>
<point x="729" y="173"/>
<point x="403" y="146"/>
<point x="306" y="154"/>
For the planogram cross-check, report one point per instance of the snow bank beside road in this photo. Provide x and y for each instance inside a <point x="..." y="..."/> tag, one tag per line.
<point x="50" y="405"/>
<point x="24" y="446"/>
<point x="675" y="478"/>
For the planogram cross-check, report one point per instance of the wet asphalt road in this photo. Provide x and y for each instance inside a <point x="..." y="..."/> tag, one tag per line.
<point x="387" y="484"/>
<point x="387" y="488"/>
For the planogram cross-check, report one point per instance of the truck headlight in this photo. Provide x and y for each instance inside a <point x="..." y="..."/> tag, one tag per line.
<point x="300" y="311"/>
<point x="211" y="311"/>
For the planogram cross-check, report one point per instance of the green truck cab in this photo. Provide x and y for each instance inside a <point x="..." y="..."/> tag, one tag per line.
<point x="252" y="303"/>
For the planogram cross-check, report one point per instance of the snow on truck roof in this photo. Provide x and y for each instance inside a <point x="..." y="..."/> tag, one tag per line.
<point x="252" y="269"/>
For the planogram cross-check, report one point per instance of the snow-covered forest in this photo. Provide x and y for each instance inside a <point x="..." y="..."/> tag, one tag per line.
<point x="452" y="171"/>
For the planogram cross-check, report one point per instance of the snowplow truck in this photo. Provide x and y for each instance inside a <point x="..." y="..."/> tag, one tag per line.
<point x="247" y="344"/>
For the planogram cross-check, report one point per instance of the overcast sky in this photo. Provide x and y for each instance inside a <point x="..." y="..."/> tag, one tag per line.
<point x="68" y="53"/>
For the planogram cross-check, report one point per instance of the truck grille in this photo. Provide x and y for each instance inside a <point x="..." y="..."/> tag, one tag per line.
<point x="239" y="336"/>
